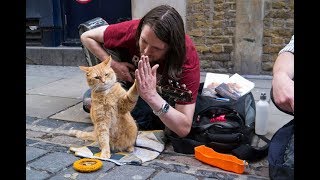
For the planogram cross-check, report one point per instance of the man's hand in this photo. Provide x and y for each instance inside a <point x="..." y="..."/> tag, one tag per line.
<point x="282" y="83"/>
<point x="122" y="70"/>
<point x="283" y="92"/>
<point x="146" y="79"/>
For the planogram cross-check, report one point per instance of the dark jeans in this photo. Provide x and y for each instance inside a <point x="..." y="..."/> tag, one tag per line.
<point x="145" y="118"/>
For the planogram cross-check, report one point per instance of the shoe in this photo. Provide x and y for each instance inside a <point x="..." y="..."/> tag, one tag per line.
<point x="87" y="105"/>
<point x="86" y="100"/>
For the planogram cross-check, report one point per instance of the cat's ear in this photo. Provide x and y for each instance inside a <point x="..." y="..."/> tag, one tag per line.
<point x="107" y="61"/>
<point x="84" y="68"/>
<point x="110" y="58"/>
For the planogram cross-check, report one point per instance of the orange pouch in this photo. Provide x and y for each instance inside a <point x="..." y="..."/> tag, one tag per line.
<point x="224" y="161"/>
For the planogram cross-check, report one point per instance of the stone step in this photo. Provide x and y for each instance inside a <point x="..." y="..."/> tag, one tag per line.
<point x="56" y="56"/>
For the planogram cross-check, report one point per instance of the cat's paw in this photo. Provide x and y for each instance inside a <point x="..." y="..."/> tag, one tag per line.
<point x="106" y="155"/>
<point x="72" y="132"/>
<point x="130" y="149"/>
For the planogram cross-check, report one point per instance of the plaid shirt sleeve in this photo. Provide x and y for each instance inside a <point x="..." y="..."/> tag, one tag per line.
<point x="289" y="47"/>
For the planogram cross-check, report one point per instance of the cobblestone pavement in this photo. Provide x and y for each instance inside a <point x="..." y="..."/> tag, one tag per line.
<point x="53" y="106"/>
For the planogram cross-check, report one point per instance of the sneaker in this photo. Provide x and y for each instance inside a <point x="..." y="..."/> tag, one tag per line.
<point x="87" y="105"/>
<point x="86" y="100"/>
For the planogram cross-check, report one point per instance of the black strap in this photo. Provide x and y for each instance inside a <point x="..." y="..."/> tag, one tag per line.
<point x="244" y="151"/>
<point x="184" y="145"/>
<point x="250" y="153"/>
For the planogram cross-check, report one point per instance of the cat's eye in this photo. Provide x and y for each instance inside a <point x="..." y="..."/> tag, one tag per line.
<point x="106" y="74"/>
<point x="97" y="77"/>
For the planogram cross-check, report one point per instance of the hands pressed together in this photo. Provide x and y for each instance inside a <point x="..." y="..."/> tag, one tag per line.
<point x="145" y="75"/>
<point x="146" y="79"/>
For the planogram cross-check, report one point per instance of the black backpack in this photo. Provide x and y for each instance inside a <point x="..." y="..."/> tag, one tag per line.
<point x="225" y="126"/>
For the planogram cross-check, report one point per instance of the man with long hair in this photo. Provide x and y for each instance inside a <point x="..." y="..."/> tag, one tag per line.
<point x="154" y="50"/>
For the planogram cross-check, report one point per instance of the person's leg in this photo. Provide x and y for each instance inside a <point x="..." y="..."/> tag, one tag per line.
<point x="289" y="153"/>
<point x="143" y="115"/>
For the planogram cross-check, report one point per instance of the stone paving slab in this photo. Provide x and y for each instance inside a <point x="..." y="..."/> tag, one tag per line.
<point x="35" y="134"/>
<point x="74" y="114"/>
<point x="45" y="106"/>
<point x="42" y="143"/>
<point x="126" y="172"/>
<point x="36" y="81"/>
<point x="173" y="175"/>
<point x="53" y="71"/>
<point x="31" y="120"/>
<point x="70" y="173"/>
<point x="35" y="174"/>
<point x="78" y="126"/>
<point x="30" y="142"/>
<point x="53" y="162"/>
<point x="71" y="88"/>
<point x="50" y="123"/>
<point x="33" y="153"/>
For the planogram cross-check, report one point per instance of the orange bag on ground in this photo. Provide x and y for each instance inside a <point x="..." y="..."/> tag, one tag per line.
<point x="224" y="161"/>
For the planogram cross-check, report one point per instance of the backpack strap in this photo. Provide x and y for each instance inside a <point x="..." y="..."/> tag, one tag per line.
<point x="183" y="145"/>
<point x="244" y="151"/>
<point x="251" y="153"/>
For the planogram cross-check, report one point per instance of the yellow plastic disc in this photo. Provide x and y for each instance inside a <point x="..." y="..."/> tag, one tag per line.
<point x="87" y="165"/>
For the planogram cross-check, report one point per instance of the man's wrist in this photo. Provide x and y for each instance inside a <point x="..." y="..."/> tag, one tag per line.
<point x="164" y="109"/>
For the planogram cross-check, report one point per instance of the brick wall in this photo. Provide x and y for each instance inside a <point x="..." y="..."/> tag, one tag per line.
<point x="278" y="29"/>
<point x="211" y="24"/>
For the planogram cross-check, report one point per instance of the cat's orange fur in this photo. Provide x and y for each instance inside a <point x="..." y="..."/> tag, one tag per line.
<point x="114" y="127"/>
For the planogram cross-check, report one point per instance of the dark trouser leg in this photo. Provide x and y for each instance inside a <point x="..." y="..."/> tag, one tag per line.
<point x="145" y="118"/>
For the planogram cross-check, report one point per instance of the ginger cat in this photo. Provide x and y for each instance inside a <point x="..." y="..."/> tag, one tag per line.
<point x="114" y="127"/>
